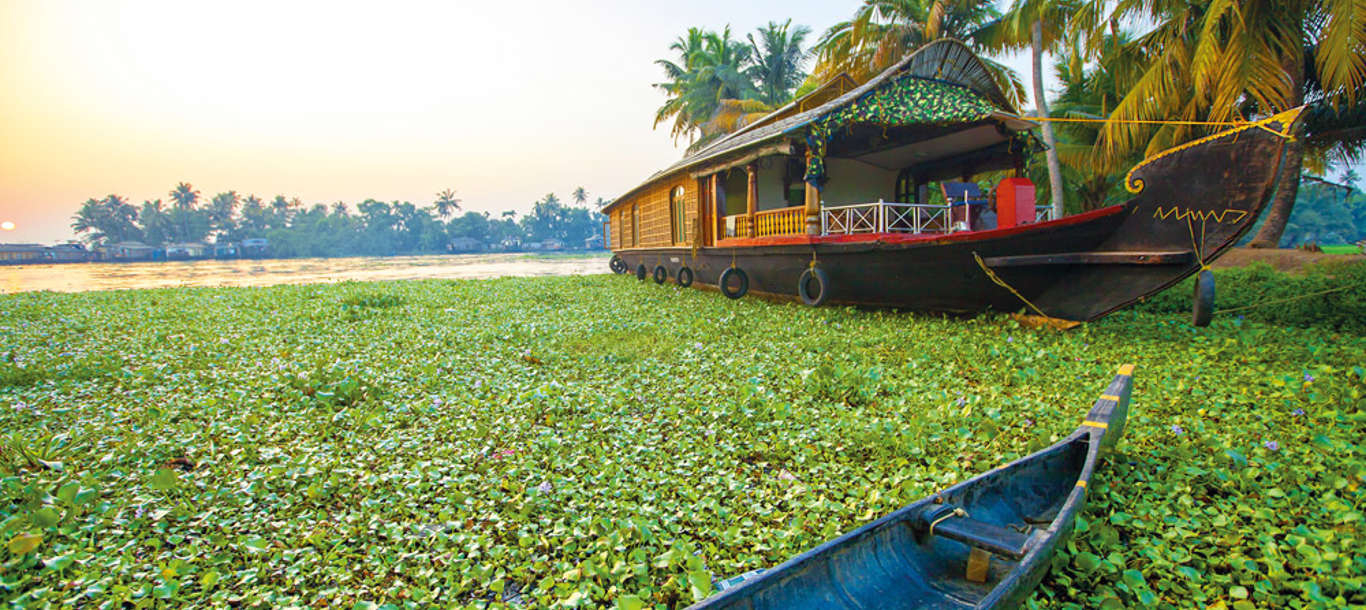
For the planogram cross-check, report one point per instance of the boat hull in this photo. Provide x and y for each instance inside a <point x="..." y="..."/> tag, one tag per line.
<point x="1190" y="205"/>
<point x="902" y="561"/>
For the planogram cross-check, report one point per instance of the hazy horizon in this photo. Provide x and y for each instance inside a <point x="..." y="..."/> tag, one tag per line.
<point x="340" y="101"/>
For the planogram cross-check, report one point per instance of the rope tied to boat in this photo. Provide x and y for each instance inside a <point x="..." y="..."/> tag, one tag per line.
<point x="1199" y="256"/>
<point x="1258" y="124"/>
<point x="1002" y="283"/>
<point x="957" y="512"/>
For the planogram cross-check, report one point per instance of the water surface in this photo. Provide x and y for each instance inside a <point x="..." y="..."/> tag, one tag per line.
<point x="80" y="277"/>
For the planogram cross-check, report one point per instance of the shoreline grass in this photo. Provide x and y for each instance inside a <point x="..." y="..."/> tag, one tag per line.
<point x="595" y="440"/>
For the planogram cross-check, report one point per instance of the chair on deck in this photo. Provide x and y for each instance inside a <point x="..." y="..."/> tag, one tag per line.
<point x="962" y="196"/>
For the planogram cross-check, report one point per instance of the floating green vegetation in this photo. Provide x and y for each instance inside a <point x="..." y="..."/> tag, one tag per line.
<point x="598" y="441"/>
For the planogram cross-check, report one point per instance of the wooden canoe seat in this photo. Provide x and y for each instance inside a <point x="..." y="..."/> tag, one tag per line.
<point x="978" y="534"/>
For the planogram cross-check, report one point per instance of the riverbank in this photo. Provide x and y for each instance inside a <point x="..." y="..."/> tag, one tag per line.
<point x="271" y="272"/>
<point x="599" y="440"/>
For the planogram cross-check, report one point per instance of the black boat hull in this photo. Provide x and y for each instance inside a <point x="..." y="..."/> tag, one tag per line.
<point x="1191" y="203"/>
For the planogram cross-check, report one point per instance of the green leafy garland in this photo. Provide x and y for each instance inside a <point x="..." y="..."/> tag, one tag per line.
<point x="908" y="100"/>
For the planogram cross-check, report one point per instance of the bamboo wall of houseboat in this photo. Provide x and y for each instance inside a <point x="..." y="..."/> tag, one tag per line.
<point x="656" y="219"/>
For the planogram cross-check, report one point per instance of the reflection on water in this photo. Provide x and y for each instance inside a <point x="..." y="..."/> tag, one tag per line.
<point x="80" y="277"/>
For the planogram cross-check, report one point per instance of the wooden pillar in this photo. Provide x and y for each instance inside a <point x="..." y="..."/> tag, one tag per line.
<point x="718" y="203"/>
<point x="752" y="196"/>
<point x="813" y="204"/>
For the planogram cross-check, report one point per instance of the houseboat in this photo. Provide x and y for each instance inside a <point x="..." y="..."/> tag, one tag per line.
<point x="828" y="200"/>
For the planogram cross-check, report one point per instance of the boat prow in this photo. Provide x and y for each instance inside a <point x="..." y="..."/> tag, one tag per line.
<point x="983" y="543"/>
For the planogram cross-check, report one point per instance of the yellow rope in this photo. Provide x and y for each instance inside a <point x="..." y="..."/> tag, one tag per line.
<point x="1138" y="121"/>
<point x="1002" y="283"/>
<point x="1286" y="300"/>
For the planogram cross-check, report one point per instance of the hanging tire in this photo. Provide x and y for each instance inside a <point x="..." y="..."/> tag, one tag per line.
<point x="724" y="282"/>
<point x="661" y="274"/>
<point x="1202" y="308"/>
<point x="641" y="272"/>
<point x="684" y="277"/>
<point x="817" y="276"/>
<point x="617" y="265"/>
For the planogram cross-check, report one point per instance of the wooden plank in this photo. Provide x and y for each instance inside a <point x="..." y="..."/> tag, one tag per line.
<point x="1169" y="257"/>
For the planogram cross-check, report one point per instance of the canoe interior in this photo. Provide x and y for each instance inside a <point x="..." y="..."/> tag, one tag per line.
<point x="895" y="563"/>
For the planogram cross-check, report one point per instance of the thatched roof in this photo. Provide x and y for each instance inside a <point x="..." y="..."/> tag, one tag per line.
<point x="947" y="61"/>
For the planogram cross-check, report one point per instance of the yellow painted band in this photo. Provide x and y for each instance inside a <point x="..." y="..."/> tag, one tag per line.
<point x="1082" y="483"/>
<point x="1096" y="424"/>
<point x="1126" y="369"/>
<point x="1285" y="118"/>
<point x="1109" y="397"/>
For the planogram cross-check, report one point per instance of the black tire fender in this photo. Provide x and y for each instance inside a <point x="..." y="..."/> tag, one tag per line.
<point x="617" y="265"/>
<point x="822" y="281"/>
<point x="661" y="274"/>
<point x="641" y="272"/>
<point x="684" y="272"/>
<point x="723" y="283"/>
<point x="1202" y="307"/>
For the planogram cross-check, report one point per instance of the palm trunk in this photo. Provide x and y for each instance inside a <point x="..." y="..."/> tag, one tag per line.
<point x="1288" y="178"/>
<point x="1287" y="186"/>
<point x="1041" y="103"/>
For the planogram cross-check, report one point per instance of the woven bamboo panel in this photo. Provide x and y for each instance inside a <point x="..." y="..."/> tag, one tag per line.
<point x="656" y="222"/>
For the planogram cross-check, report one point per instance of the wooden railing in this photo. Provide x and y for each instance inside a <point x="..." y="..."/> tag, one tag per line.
<point x="783" y="221"/>
<point x="736" y="225"/>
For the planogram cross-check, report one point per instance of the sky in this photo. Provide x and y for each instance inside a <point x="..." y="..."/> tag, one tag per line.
<point x="336" y="100"/>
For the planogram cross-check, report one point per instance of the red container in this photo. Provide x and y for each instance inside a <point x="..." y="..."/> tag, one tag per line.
<point x="1014" y="202"/>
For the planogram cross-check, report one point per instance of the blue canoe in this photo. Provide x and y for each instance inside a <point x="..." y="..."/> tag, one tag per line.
<point x="983" y="543"/>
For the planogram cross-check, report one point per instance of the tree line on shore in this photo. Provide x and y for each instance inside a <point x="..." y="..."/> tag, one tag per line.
<point x="373" y="228"/>
<point x="1157" y="70"/>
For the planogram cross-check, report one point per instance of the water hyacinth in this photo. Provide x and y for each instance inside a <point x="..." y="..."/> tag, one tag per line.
<point x="1177" y="429"/>
<point x="303" y="466"/>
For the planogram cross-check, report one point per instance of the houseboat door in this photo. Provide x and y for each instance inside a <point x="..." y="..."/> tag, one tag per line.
<point x="705" y="212"/>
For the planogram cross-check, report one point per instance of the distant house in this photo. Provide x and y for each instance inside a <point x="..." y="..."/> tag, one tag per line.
<point x="19" y="254"/>
<point x="256" y="247"/>
<point x="510" y="244"/>
<point x="465" y="244"/>
<point x="533" y="245"/>
<point x="68" y="253"/>
<point x="225" y="250"/>
<point x="186" y="251"/>
<point x="552" y="244"/>
<point x="127" y="251"/>
<point x="593" y="243"/>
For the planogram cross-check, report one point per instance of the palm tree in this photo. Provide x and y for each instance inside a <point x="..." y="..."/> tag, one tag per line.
<point x="111" y="219"/>
<point x="580" y="196"/>
<point x="221" y="210"/>
<point x="446" y="203"/>
<point x="778" y="59"/>
<point x="184" y="196"/>
<point x="712" y="69"/>
<point x="1038" y="25"/>
<point x="884" y="31"/>
<point x="1222" y="61"/>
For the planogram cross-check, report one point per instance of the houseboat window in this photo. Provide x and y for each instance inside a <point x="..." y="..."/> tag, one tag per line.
<point x="677" y="216"/>
<point x="635" y="224"/>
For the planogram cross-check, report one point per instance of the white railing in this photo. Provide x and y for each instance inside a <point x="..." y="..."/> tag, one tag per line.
<point x="884" y="217"/>
<point x="1043" y="213"/>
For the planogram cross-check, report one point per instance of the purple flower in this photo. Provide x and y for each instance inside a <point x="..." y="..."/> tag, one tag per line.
<point x="1273" y="445"/>
<point x="1028" y="423"/>
<point x="961" y="401"/>
<point x="545" y="487"/>
<point x="1177" y="429"/>
<point x="1308" y="377"/>
<point x="1297" y="412"/>
<point x="1010" y="339"/>
<point x="436" y="401"/>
